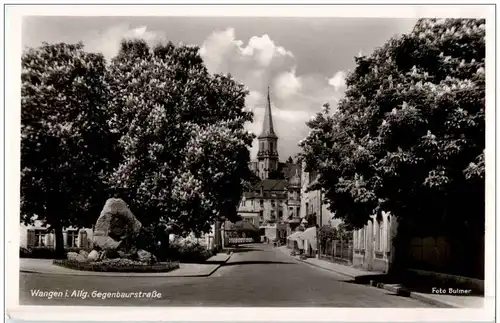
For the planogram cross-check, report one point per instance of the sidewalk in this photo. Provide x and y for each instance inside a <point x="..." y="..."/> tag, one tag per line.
<point x="362" y="275"/>
<point x="453" y="301"/>
<point x="45" y="266"/>
<point x="358" y="275"/>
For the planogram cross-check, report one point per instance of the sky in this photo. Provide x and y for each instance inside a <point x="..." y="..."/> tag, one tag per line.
<point x="304" y="61"/>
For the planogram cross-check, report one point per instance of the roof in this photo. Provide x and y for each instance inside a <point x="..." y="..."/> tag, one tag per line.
<point x="271" y="185"/>
<point x="267" y="126"/>
<point x="271" y="189"/>
<point x="267" y="195"/>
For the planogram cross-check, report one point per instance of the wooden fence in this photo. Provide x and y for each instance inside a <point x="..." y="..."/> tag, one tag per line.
<point x="337" y="250"/>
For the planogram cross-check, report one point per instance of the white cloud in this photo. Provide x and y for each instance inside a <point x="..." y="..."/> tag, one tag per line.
<point x="287" y="84"/>
<point x="218" y="46"/>
<point x="108" y="42"/>
<point x="338" y="80"/>
<point x="264" y="50"/>
<point x="221" y="50"/>
<point x="142" y="33"/>
<point x="257" y="62"/>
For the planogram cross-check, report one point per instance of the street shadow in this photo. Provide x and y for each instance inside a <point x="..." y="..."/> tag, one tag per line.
<point x="211" y="262"/>
<point x="237" y="263"/>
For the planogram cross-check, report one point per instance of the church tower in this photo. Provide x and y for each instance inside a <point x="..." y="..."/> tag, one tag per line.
<point x="268" y="144"/>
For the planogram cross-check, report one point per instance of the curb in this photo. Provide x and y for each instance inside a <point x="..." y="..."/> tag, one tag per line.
<point x="111" y="274"/>
<point x="401" y="291"/>
<point x="220" y="265"/>
<point x="328" y="269"/>
<point x="317" y="266"/>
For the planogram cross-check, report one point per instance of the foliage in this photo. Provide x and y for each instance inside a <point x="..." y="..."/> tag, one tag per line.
<point x="185" y="151"/>
<point x="189" y="252"/>
<point x="252" y="180"/>
<point x="409" y="135"/>
<point x="289" y="160"/>
<point x="147" y="240"/>
<point x="329" y="233"/>
<point x="66" y="145"/>
<point x="210" y="179"/>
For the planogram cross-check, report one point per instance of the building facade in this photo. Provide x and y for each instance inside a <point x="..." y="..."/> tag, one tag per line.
<point x="38" y="236"/>
<point x="373" y="244"/>
<point x="313" y="209"/>
<point x="273" y="203"/>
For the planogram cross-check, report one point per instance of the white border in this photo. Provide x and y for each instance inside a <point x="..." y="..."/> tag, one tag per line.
<point x="12" y="124"/>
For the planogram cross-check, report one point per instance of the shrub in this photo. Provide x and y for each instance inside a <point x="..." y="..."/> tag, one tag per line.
<point x="188" y="252"/>
<point x="118" y="265"/>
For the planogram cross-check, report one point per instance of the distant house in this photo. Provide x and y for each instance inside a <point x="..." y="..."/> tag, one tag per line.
<point x="313" y="207"/>
<point x="39" y="236"/>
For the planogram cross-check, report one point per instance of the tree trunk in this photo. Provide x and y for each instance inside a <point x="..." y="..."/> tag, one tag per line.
<point x="165" y="244"/>
<point x="59" y="242"/>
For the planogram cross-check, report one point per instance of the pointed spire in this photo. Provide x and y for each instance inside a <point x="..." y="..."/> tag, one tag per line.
<point x="267" y="126"/>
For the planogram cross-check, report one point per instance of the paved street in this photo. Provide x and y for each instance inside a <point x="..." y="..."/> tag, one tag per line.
<point x="257" y="275"/>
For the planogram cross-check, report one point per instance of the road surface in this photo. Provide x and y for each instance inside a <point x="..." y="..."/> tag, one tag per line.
<point x="256" y="275"/>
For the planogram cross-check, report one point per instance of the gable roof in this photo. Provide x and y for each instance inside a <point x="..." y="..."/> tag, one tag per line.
<point x="271" y="185"/>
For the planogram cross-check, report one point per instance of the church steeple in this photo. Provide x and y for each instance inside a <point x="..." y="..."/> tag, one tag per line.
<point x="268" y="144"/>
<point x="267" y="125"/>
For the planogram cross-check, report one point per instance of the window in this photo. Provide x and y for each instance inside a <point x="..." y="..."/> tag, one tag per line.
<point x="261" y="146"/>
<point x="261" y="203"/>
<point x="71" y="238"/>
<point x="280" y="214"/>
<point x="380" y="234"/>
<point x="363" y="238"/>
<point x="273" y="215"/>
<point x="261" y="215"/>
<point x="39" y="238"/>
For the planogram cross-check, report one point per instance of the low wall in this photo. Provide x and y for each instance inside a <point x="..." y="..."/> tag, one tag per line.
<point x="477" y="285"/>
<point x="240" y="240"/>
<point x="456" y="257"/>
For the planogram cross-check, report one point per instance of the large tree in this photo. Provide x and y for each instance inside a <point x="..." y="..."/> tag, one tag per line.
<point x="409" y="135"/>
<point x="211" y="180"/>
<point x="181" y="128"/>
<point x="66" y="145"/>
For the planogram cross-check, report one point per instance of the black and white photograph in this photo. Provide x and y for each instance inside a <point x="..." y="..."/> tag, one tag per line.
<point x="253" y="160"/>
